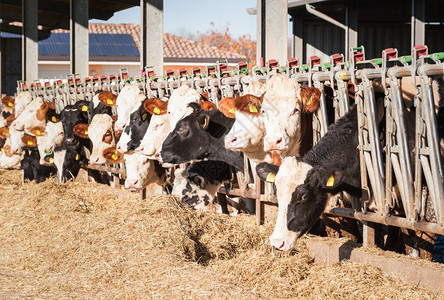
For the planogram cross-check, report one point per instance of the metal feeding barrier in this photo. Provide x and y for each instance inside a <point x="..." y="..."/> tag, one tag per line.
<point x="419" y="177"/>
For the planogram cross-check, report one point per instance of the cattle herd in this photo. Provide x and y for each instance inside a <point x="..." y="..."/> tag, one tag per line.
<point x="190" y="145"/>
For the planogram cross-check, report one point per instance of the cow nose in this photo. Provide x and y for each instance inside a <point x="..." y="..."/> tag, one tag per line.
<point x="96" y="160"/>
<point x="278" y="244"/>
<point x="70" y="141"/>
<point x="273" y="143"/>
<point x="118" y="147"/>
<point x="119" y="126"/>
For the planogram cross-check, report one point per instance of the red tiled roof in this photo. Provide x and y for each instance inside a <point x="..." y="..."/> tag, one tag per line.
<point x="173" y="46"/>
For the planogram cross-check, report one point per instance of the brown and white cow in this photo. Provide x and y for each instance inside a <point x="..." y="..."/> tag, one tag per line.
<point x="33" y="115"/>
<point x="287" y="109"/>
<point x="9" y="160"/>
<point x="143" y="172"/>
<point x="21" y="101"/>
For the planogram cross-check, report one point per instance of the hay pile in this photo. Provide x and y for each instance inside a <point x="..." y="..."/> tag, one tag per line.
<point x="83" y="240"/>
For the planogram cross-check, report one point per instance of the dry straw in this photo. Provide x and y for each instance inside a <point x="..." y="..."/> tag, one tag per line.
<point x="89" y="241"/>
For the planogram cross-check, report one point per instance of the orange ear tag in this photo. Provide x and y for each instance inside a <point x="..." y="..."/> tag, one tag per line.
<point x="85" y="108"/>
<point x="156" y="110"/>
<point x="253" y="108"/>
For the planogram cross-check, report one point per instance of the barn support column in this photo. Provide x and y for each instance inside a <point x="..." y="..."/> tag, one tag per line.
<point x="79" y="38"/>
<point x="1" y="59"/>
<point x="272" y="20"/>
<point x="297" y="49"/>
<point x="151" y="35"/>
<point x="352" y="24"/>
<point x="418" y="23"/>
<point x="30" y="67"/>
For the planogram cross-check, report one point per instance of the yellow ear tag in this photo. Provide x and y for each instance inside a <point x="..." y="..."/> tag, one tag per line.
<point x="115" y="156"/>
<point x="30" y="143"/>
<point x="205" y="123"/>
<point x="2" y="150"/>
<point x="253" y="108"/>
<point x="309" y="101"/>
<point x="10" y="104"/>
<point x="54" y="119"/>
<point x="331" y="180"/>
<point x="77" y="157"/>
<point x="86" y="132"/>
<point x="84" y="108"/>
<point x="51" y="160"/>
<point x="156" y="110"/>
<point x="109" y="101"/>
<point x="144" y="116"/>
<point x="270" y="177"/>
<point x="343" y="76"/>
<point x="37" y="132"/>
<point x="232" y="110"/>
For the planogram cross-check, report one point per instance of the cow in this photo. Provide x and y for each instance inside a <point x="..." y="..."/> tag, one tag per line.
<point x="143" y="172"/>
<point x="303" y="184"/>
<point x="16" y="140"/>
<point x="32" y="169"/>
<point x="8" y="105"/>
<point x="101" y="134"/>
<point x="21" y="101"/>
<point x="33" y="115"/>
<point x="200" y="136"/>
<point x="128" y="101"/>
<point x="134" y="130"/>
<point x="287" y="110"/>
<point x="8" y="160"/>
<point x="102" y="103"/>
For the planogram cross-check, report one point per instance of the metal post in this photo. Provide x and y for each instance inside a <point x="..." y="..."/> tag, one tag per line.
<point x="352" y="24"/>
<point x="276" y="28"/>
<point x="261" y="34"/>
<point x="30" y="53"/>
<point x="79" y="38"/>
<point x="418" y="23"/>
<point x="151" y="28"/>
<point x="298" y="41"/>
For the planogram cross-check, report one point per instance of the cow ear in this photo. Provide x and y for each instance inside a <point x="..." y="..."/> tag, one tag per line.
<point x="203" y="120"/>
<point x="266" y="171"/>
<point x="155" y="106"/>
<point x="81" y="130"/>
<point x="112" y="156"/>
<point x="200" y="182"/>
<point x="38" y="131"/>
<point x="8" y="101"/>
<point x="207" y="105"/>
<point x="311" y="97"/>
<point x="204" y="96"/>
<point x="249" y="104"/>
<point x="29" y="140"/>
<point x="107" y="98"/>
<point x="4" y="132"/>
<point x="227" y="106"/>
<point x="83" y="105"/>
<point x="9" y="120"/>
<point x="117" y="135"/>
<point x="52" y="117"/>
<point x="332" y="179"/>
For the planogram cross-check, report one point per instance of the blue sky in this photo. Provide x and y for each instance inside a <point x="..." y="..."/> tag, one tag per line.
<point x="183" y="18"/>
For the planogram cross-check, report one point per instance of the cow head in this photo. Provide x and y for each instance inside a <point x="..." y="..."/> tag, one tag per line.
<point x="8" y="104"/>
<point x="285" y="106"/>
<point x="32" y="115"/>
<point x="158" y="128"/>
<point x="8" y="160"/>
<point x="248" y="130"/>
<point x="21" y="101"/>
<point x="139" y="169"/>
<point x="197" y="136"/>
<point x="135" y="130"/>
<point x="54" y="134"/>
<point x="4" y="132"/>
<point x="178" y="103"/>
<point x="127" y="101"/>
<point x="70" y="116"/>
<point x="29" y="140"/>
<point x="287" y="177"/>
<point x="16" y="141"/>
<point x="101" y="134"/>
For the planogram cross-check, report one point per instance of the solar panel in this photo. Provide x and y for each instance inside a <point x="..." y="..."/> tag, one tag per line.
<point x="100" y="44"/>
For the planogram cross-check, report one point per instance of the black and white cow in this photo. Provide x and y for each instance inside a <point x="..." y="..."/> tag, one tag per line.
<point x="200" y="136"/>
<point x="303" y="184"/>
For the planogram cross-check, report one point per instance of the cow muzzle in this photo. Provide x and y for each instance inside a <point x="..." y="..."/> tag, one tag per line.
<point x="274" y="143"/>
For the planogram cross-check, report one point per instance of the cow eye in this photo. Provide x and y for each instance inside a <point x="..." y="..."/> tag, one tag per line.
<point x="294" y="111"/>
<point x="182" y="131"/>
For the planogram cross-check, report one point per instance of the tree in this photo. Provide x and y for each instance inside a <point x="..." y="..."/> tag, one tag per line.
<point x="222" y="39"/>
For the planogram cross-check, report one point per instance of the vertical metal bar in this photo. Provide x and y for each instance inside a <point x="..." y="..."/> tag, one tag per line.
<point x="352" y="25"/>
<point x="298" y="42"/>
<point x="259" y="205"/>
<point x="30" y="53"/>
<point x="79" y="38"/>
<point x="419" y="19"/>
<point x="151" y="53"/>
<point x="276" y="27"/>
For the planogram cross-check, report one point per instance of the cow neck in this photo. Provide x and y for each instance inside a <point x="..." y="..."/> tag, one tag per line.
<point x="233" y="158"/>
<point x="305" y="141"/>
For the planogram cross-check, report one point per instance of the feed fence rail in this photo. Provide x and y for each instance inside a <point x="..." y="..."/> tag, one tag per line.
<point x="383" y="162"/>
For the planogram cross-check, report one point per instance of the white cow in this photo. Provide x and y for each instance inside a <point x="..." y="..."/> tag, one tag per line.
<point x="128" y="101"/>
